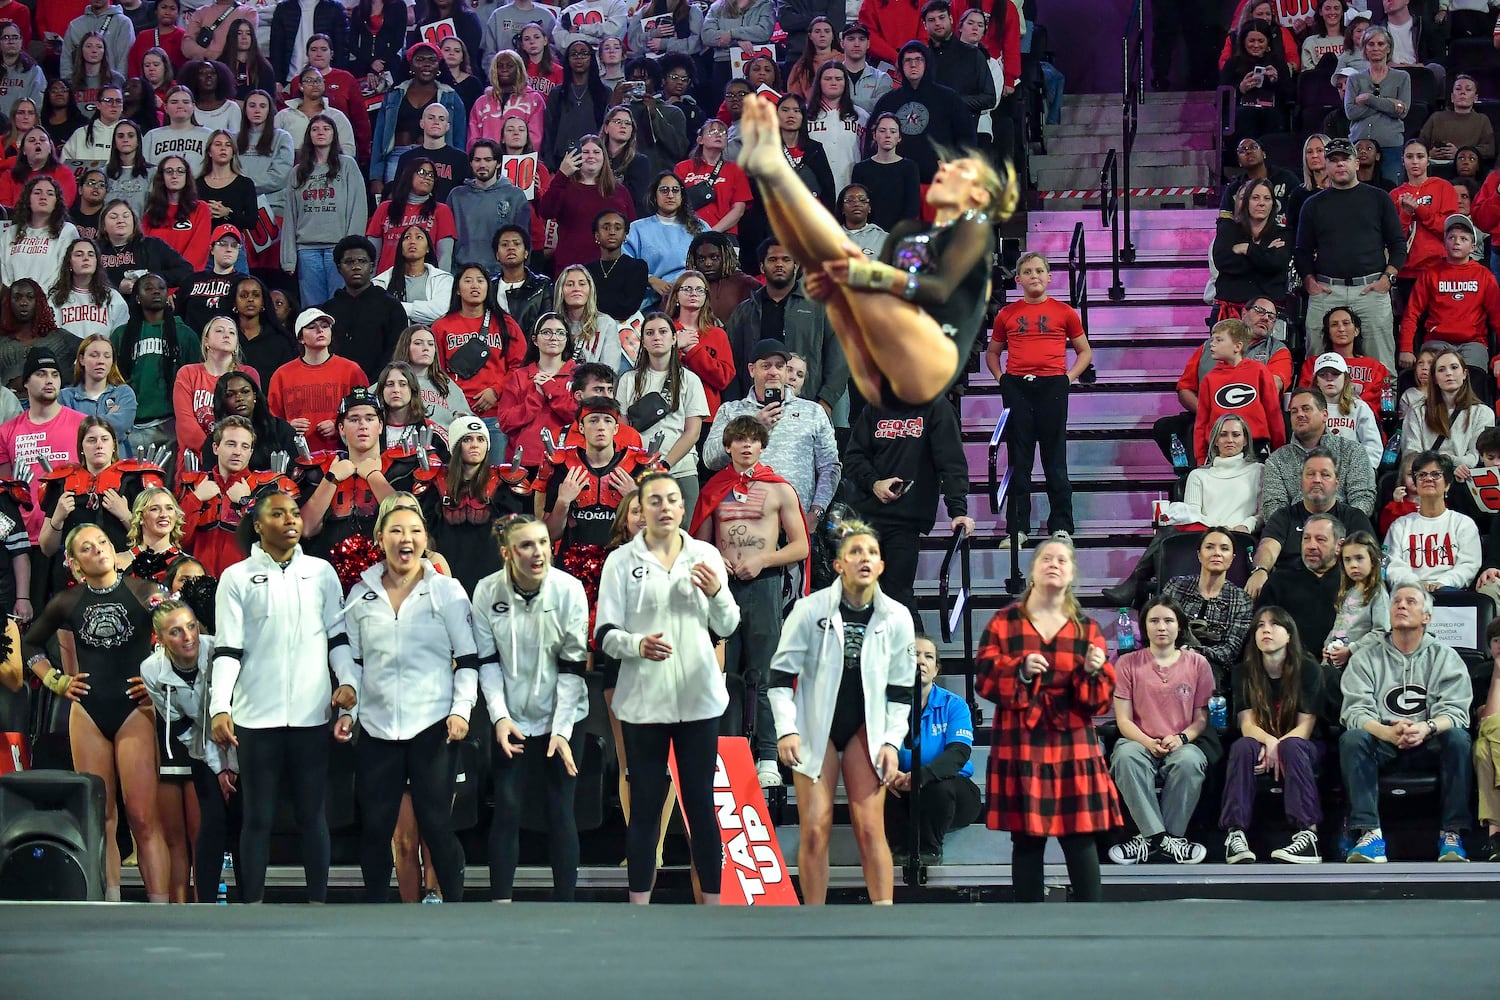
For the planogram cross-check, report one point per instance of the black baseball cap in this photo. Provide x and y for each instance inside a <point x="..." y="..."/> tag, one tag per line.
<point x="855" y="28"/>
<point x="360" y="396"/>
<point x="767" y="348"/>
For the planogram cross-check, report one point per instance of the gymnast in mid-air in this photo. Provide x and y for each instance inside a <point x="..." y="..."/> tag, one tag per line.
<point x="907" y="322"/>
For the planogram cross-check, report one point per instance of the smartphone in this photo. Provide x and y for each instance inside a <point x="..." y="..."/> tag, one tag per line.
<point x="773" y="395"/>
<point x="903" y="486"/>
<point x="637" y="89"/>
<point x="574" y="147"/>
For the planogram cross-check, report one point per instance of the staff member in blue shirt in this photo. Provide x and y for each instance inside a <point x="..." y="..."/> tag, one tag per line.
<point x="950" y="800"/>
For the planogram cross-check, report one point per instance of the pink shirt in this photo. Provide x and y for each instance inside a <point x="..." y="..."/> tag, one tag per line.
<point x="1163" y="704"/>
<point x="22" y="441"/>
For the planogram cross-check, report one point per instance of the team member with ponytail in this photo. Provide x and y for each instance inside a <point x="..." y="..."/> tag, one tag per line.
<point x="662" y="598"/>
<point x="531" y="627"/>
<point x="408" y="627"/>
<point x="854" y="695"/>
<point x="281" y="626"/>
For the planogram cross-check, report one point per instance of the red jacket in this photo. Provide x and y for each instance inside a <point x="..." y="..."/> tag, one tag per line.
<point x="1436" y="200"/>
<point x="524" y="410"/>
<point x="1246" y="390"/>
<point x="1485" y="212"/>
<point x="454" y="330"/>
<point x="892" y="24"/>
<point x="713" y="362"/>
<point x="1461" y="302"/>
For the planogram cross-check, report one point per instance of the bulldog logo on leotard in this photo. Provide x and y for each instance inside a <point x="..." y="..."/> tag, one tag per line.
<point x="106" y="626"/>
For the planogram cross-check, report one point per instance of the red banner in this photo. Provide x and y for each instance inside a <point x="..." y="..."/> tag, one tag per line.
<point x="754" y="872"/>
<point x="13" y="753"/>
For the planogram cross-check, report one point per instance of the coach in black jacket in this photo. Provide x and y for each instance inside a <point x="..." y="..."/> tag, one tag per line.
<point x="893" y="466"/>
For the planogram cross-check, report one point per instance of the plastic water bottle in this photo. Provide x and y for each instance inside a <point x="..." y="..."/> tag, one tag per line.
<point x="223" y="899"/>
<point x="1388" y="397"/>
<point x="1385" y="565"/>
<point x="1124" y="633"/>
<point x="1392" y="455"/>
<point x="1179" y="455"/>
<point x="1218" y="712"/>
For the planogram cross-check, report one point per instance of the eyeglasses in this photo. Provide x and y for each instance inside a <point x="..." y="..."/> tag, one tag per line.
<point x="426" y="173"/>
<point x="227" y="244"/>
<point x="716" y="130"/>
<point x="552" y="333"/>
<point x="1263" y="311"/>
<point x="95" y="183"/>
<point x="692" y="290"/>
<point x="678" y="77"/>
<point x="669" y="190"/>
<point x="857" y="199"/>
<point x="1430" y="475"/>
<point x="111" y="100"/>
<point x="174" y="171"/>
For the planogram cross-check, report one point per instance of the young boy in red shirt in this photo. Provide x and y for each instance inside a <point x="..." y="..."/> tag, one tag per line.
<point x="1238" y="385"/>
<point x="1459" y="298"/>
<point x="1033" y="335"/>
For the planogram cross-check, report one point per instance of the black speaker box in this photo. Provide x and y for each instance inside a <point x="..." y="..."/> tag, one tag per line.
<point x="51" y="836"/>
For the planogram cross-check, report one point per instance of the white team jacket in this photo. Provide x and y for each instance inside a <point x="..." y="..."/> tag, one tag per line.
<point x="532" y="654"/>
<point x="638" y="596"/>
<point x="279" y="632"/>
<point x="812" y="649"/>
<point x="404" y="671"/>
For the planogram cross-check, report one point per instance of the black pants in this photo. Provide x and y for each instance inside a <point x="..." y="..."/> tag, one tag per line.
<point x="696" y="744"/>
<point x="299" y="757"/>
<point x="513" y="775"/>
<point x="220" y="824"/>
<point x="1081" y="852"/>
<point x="747" y="655"/>
<point x="900" y="544"/>
<point x="1038" y="422"/>
<point x="1180" y="424"/>
<point x="947" y="805"/>
<point x="382" y="770"/>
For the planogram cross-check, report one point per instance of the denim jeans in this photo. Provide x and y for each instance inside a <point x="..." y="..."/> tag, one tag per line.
<point x="317" y="278"/>
<point x="1363" y="757"/>
<point x="497" y="440"/>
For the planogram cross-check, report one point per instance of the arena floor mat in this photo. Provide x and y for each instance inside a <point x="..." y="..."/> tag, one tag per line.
<point x="1115" y="950"/>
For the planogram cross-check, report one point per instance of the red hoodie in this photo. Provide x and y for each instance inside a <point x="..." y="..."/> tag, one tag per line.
<point x="1436" y="200"/>
<point x="1462" y="302"/>
<point x="1246" y="390"/>
<point x="1485" y="212"/>
<point x="892" y="24"/>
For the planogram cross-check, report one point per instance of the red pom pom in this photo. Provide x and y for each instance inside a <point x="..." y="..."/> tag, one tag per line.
<point x="351" y="557"/>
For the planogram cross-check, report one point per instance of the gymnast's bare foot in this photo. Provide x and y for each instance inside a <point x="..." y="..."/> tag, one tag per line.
<point x="760" y="139"/>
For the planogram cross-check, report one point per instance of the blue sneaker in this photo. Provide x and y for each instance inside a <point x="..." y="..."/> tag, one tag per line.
<point x="1370" y="850"/>
<point x="1451" y="847"/>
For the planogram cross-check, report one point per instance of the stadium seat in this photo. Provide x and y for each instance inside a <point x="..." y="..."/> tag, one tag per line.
<point x="1178" y="556"/>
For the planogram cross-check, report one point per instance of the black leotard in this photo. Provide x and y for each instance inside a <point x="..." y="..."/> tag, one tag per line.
<point x="111" y="635"/>
<point x="951" y="263"/>
<point x="849" y="705"/>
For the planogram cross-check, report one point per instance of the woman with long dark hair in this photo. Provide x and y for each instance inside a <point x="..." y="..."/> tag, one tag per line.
<point x="237" y="395"/>
<point x="92" y="143"/>
<point x="26" y="321"/>
<point x="37" y="156"/>
<point x="1252" y="252"/>
<point x="228" y="193"/>
<point x="417" y="680"/>
<point x="585" y="98"/>
<point x="543" y="71"/>
<point x="126" y="253"/>
<point x="841" y="690"/>
<point x="109" y="617"/>
<point x="34" y="244"/>
<point x="405" y="416"/>
<point x="1450" y="417"/>
<point x="140" y="104"/>
<point x="701" y="339"/>
<point x="423" y="289"/>
<point x="327" y="202"/>
<point x="1278" y="692"/>
<point x="266" y="157"/>
<point x="475" y="312"/>
<point x="92" y="73"/>
<point x="442" y="397"/>
<point x="1043" y="662"/>
<point x="663" y="596"/>
<point x="659" y="372"/>
<point x="213" y="89"/>
<point x="662" y="235"/>
<point x="532" y="660"/>
<point x="821" y="47"/>
<point x="458" y="71"/>
<point x="837" y="121"/>
<point x="127" y="174"/>
<point x="1258" y="74"/>
<point x="250" y="69"/>
<point x="60" y="114"/>
<point x="472" y="496"/>
<point x="175" y="214"/>
<point x="412" y="203"/>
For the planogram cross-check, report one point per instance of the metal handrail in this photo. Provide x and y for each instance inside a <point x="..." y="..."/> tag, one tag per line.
<point x="997" y="488"/>
<point x="1227" y="107"/>
<point x="960" y="548"/>
<point x="1134" y="44"/>
<point x="1078" y="273"/>
<point x="1109" y="217"/>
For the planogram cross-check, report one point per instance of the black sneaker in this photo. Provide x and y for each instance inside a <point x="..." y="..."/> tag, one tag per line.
<point x="1303" y="850"/>
<point x="1489" y="851"/>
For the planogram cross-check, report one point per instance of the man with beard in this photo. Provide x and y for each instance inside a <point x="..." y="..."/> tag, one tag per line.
<point x="210" y="292"/>
<point x="932" y="116"/>
<point x="47" y="430"/>
<point x="1281" y="480"/>
<point x="149" y="349"/>
<point x="213" y="502"/>
<point x="782" y="311"/>
<point x="1309" y="588"/>
<point x="367" y="319"/>
<point x="1264" y="347"/>
<point x="1279" y="542"/>
<point x="483" y="203"/>
<point x="713" y="254"/>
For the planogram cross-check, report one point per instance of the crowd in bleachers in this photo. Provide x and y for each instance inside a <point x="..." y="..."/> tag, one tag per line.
<point x="1340" y="422"/>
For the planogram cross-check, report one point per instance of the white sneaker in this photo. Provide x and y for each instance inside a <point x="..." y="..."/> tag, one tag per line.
<point x="1131" y="852"/>
<point x="769" y="773"/>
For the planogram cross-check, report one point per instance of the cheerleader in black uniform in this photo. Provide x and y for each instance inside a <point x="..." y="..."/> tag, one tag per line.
<point x="907" y="322"/>
<point x="109" y="619"/>
<point x="98" y="490"/>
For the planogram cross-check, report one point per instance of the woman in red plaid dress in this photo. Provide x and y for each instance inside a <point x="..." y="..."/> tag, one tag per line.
<point x="1042" y="663"/>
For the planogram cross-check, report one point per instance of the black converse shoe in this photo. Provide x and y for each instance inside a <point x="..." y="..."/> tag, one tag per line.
<point x="1132" y="852"/>
<point x="1303" y="850"/>
<point x="1237" y="848"/>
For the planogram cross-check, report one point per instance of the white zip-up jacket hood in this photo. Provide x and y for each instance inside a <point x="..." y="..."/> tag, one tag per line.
<point x="533" y="653"/>
<point x="638" y="596"/>
<point x="433" y="305"/>
<point x="404" y="662"/>
<point x="175" y="698"/>
<point x="280" y="629"/>
<point x="812" y="651"/>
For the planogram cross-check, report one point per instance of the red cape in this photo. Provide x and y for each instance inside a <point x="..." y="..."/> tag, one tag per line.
<point x="726" y="481"/>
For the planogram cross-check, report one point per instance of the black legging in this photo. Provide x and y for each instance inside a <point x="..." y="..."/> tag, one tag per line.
<point x="646" y="746"/>
<point x="298" y="756"/>
<point x="512" y="776"/>
<point x="219" y="826"/>
<point x="382" y="770"/>
<point x="947" y="805"/>
<point x="1081" y="852"/>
